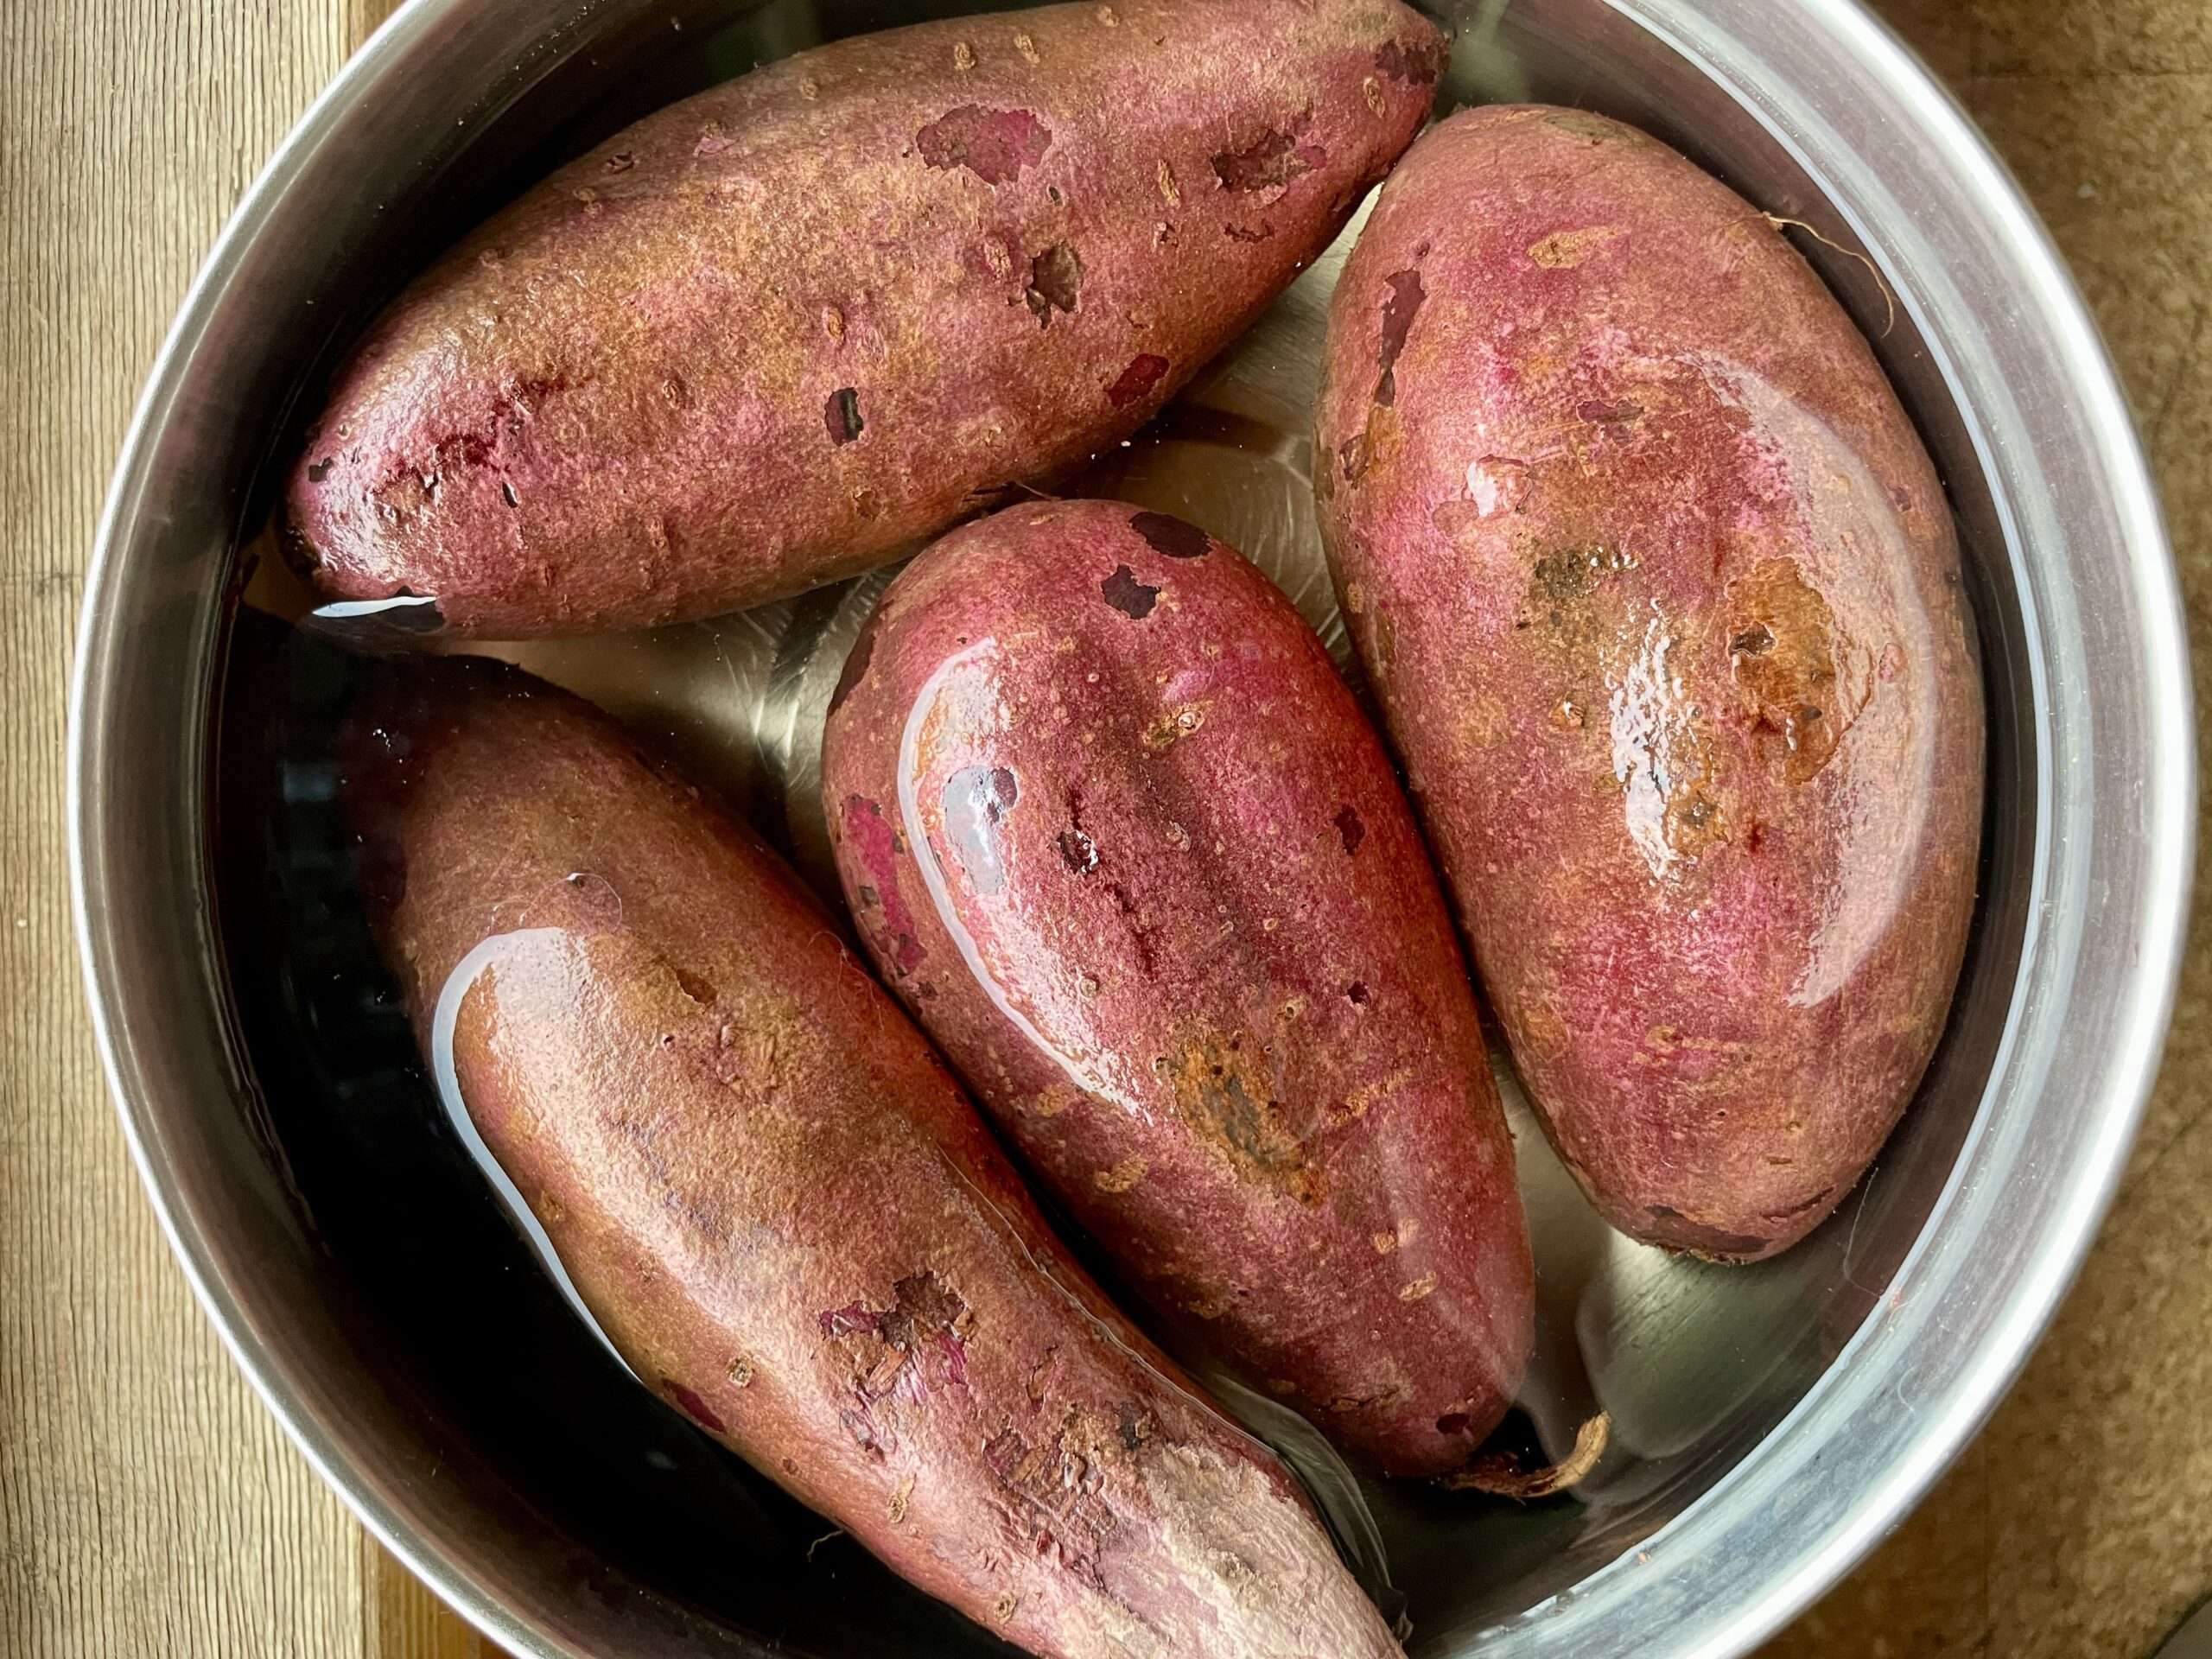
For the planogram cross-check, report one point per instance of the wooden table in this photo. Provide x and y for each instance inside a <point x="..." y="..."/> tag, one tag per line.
<point x="150" y="1506"/>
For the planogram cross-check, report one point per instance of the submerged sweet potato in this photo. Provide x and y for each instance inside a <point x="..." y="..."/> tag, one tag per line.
<point x="781" y="1209"/>
<point x="1121" y="838"/>
<point x="1661" y="598"/>
<point x="766" y="336"/>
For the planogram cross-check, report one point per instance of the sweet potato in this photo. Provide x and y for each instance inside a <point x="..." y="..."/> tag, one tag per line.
<point x="1123" y="842"/>
<point x="1662" y="601"/>
<point x="769" y="335"/>
<point x="781" y="1209"/>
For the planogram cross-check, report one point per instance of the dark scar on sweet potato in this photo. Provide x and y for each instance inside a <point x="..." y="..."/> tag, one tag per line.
<point x="1417" y="65"/>
<point x="1353" y="453"/>
<point x="1078" y="851"/>
<point x="1782" y="648"/>
<point x="700" y="990"/>
<point x="1399" y="310"/>
<point x="521" y="402"/>
<point x="1222" y="1092"/>
<point x="319" y="470"/>
<point x="1351" y="829"/>
<point x="995" y="145"/>
<point x="1068" y="1517"/>
<point x="1170" y="536"/>
<point x="1128" y="595"/>
<point x="1599" y="412"/>
<point x="1268" y="163"/>
<point x="691" y="1405"/>
<point x="1055" y="283"/>
<point x="842" y="414"/>
<point x="1137" y="380"/>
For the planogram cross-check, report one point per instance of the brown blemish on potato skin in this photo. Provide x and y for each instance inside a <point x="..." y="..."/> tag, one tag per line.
<point x="1597" y="128"/>
<point x="1055" y="283"/>
<point x="1171" y="726"/>
<point x="1782" y="651"/>
<point x="1663" y="755"/>
<point x="696" y="986"/>
<point x="1224" y="1091"/>
<point x="1121" y="1177"/>
<point x="1357" y="1102"/>
<point x="1055" y="1484"/>
<point x="1057" y="1098"/>
<point x="1377" y="445"/>
<point x="1564" y="250"/>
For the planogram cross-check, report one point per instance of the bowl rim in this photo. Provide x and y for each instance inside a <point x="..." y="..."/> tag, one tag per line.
<point x="1723" y="1624"/>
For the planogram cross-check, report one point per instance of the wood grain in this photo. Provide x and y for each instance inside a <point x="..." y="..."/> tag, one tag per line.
<point x="149" y="1505"/>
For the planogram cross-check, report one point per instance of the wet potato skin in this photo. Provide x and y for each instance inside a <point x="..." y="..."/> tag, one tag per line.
<point x="1661" y="596"/>
<point x="1119" y="836"/>
<point x="781" y="1208"/>
<point x="773" y="334"/>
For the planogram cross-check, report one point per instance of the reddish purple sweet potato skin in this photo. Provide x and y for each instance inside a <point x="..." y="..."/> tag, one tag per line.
<point x="1662" y="601"/>
<point x="1121" y="838"/>
<point x="768" y="336"/>
<point x="781" y="1209"/>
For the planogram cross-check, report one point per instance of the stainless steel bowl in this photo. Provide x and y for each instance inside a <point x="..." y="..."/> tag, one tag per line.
<point x="1773" y="1421"/>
